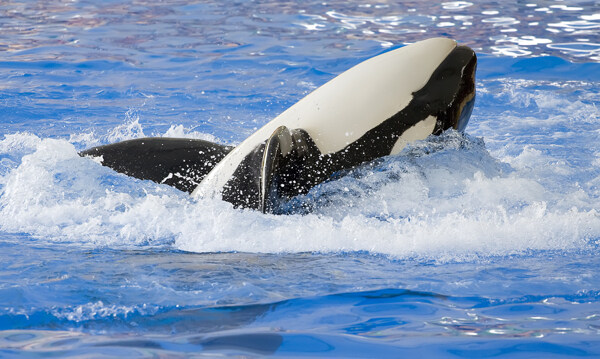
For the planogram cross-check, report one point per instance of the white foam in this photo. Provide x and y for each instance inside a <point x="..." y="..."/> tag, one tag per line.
<point x="127" y="131"/>
<point x="100" y="310"/>
<point x="445" y="198"/>
<point x="12" y="148"/>
<point x="179" y="131"/>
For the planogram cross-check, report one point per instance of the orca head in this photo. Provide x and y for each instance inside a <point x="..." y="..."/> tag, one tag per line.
<point x="465" y="97"/>
<point x="449" y="95"/>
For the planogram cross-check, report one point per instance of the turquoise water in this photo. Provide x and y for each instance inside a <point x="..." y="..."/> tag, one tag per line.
<point x="483" y="244"/>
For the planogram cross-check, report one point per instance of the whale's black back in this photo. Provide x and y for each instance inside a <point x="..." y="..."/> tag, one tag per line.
<point x="178" y="162"/>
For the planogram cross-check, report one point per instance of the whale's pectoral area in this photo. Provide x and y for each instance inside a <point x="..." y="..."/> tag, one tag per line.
<point x="286" y="165"/>
<point x="363" y="114"/>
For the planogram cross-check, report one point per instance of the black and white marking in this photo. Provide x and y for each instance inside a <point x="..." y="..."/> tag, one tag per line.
<point x="372" y="110"/>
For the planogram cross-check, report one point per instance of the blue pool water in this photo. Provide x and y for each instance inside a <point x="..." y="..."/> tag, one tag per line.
<point x="483" y="244"/>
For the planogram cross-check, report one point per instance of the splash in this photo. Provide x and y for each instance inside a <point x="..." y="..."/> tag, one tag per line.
<point x="533" y="184"/>
<point x="445" y="198"/>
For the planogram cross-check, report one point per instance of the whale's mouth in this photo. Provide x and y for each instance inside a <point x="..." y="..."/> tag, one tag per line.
<point x="449" y="94"/>
<point x="465" y="96"/>
<point x="465" y="113"/>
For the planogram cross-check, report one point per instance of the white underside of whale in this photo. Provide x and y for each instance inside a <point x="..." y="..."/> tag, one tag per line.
<point x="342" y="110"/>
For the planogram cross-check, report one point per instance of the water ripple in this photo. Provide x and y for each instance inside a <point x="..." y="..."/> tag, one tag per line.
<point x="83" y="30"/>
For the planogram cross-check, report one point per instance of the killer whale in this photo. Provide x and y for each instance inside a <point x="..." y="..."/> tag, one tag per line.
<point x="369" y="111"/>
